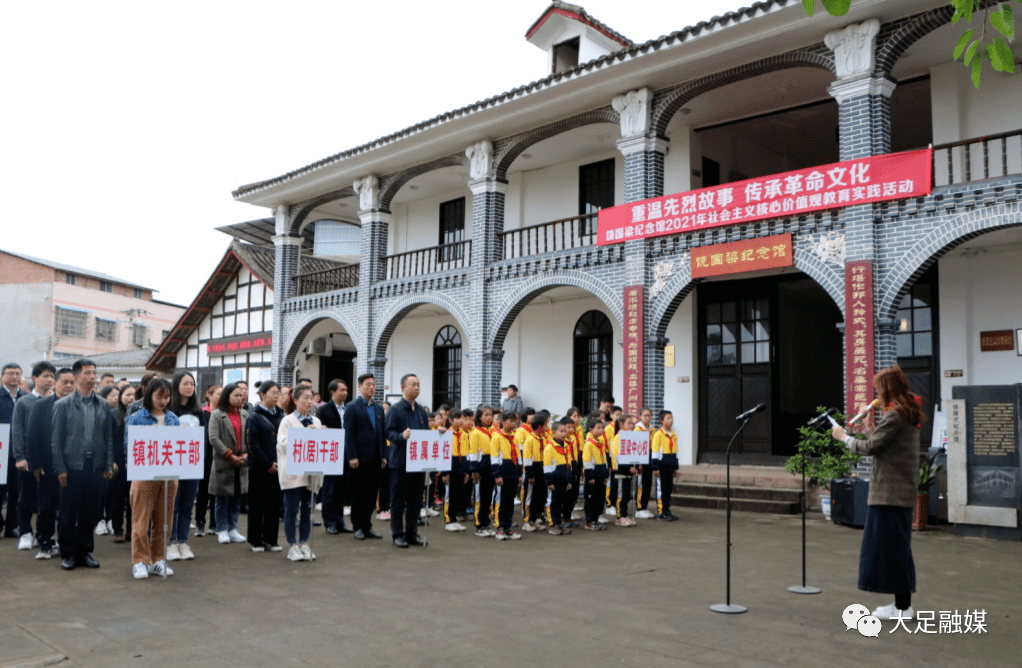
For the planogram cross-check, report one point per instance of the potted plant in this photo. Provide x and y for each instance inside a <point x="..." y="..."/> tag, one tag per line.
<point x="823" y="458"/>
<point x="927" y="475"/>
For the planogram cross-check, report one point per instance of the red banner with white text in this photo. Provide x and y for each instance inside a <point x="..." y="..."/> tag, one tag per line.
<point x="849" y="183"/>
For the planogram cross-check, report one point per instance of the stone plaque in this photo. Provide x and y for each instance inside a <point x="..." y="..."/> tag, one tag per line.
<point x="992" y="415"/>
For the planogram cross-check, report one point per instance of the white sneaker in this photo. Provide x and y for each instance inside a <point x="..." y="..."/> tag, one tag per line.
<point x="577" y="515"/>
<point x="454" y="526"/>
<point x="485" y="533"/>
<point x="101" y="528"/>
<point x="890" y="612"/>
<point x="432" y="513"/>
<point x="611" y="511"/>
<point x="258" y="548"/>
<point x="529" y="527"/>
<point x="602" y="520"/>
<point x="235" y="537"/>
<point x="159" y="567"/>
<point x="25" y="542"/>
<point x="307" y="552"/>
<point x="295" y="554"/>
<point x="222" y="537"/>
<point x="173" y="552"/>
<point x="110" y="527"/>
<point x="45" y="553"/>
<point x="422" y="513"/>
<point x="139" y="571"/>
<point x="643" y="515"/>
<point x="275" y="548"/>
<point x="518" y="501"/>
<point x="347" y="511"/>
<point x="186" y="552"/>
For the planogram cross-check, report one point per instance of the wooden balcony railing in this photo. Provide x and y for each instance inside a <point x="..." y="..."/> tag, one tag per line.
<point x="428" y="260"/>
<point x="548" y="237"/>
<point x="978" y="159"/>
<point x="326" y="280"/>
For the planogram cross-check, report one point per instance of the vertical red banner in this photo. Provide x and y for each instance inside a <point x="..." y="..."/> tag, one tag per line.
<point x="633" y="338"/>
<point x="859" y="334"/>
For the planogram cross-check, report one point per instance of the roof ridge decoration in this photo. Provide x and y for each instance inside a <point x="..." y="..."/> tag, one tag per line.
<point x="637" y="50"/>
<point x="578" y="13"/>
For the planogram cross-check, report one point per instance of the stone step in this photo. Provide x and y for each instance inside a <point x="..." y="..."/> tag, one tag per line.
<point x="743" y="476"/>
<point x="737" y="492"/>
<point x="743" y="505"/>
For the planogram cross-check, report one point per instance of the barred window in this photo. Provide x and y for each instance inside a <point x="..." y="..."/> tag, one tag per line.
<point x="70" y="323"/>
<point x="138" y="294"/>
<point x="106" y="286"/>
<point x="106" y="330"/>
<point x="70" y="279"/>
<point x="139" y="335"/>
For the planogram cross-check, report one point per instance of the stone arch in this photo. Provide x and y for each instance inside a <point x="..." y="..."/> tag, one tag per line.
<point x="513" y="304"/>
<point x="297" y="213"/>
<point x="671" y="101"/>
<point x="402" y="307"/>
<point x="935" y="244"/>
<point x="828" y="276"/>
<point x="911" y="32"/>
<point x="509" y="148"/>
<point x="300" y="327"/>
<point x="665" y="304"/>
<point x="390" y="185"/>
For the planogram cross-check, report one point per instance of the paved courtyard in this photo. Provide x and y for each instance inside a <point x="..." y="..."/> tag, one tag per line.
<point x="623" y="597"/>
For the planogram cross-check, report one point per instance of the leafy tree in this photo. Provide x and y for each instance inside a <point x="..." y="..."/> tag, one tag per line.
<point x="973" y="48"/>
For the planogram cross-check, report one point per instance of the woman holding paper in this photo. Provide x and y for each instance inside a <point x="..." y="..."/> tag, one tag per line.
<point x="228" y="479"/>
<point x="149" y="497"/>
<point x="298" y="490"/>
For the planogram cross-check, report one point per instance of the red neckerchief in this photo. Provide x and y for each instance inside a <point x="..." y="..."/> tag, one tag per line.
<point x="670" y="437"/>
<point x="559" y="449"/>
<point x="514" y="448"/>
<point x="597" y="443"/>
<point x="485" y="431"/>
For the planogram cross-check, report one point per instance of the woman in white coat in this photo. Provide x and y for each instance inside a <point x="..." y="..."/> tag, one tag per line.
<point x="298" y="490"/>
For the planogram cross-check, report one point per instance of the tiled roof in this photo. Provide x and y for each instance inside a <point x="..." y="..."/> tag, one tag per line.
<point x="71" y="269"/>
<point x="579" y="14"/>
<point x="653" y="45"/>
<point x="260" y="232"/>
<point x="258" y="260"/>
<point x="121" y="359"/>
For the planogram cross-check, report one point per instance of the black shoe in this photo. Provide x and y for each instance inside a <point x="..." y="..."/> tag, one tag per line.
<point x="399" y="541"/>
<point x="372" y="534"/>
<point x="343" y="528"/>
<point x="359" y="535"/>
<point x="416" y="540"/>
<point x="68" y="564"/>
<point x="87" y="561"/>
<point x="421" y="522"/>
<point x="333" y="531"/>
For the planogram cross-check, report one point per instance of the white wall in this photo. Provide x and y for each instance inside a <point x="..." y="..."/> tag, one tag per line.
<point x="411" y="351"/>
<point x="26" y="338"/>
<point x="417" y="224"/>
<point x="307" y="366"/>
<point x="979" y="293"/>
<point x="538" y="352"/>
<point x="680" y="398"/>
<point x="960" y="111"/>
<point x="684" y="153"/>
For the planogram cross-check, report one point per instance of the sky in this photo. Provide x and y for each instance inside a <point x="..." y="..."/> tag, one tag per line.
<point x="128" y="124"/>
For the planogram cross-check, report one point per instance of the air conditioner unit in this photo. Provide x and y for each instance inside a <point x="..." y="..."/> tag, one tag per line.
<point x="321" y="346"/>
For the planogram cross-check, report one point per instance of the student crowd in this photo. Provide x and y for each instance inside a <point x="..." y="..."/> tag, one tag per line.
<point x="68" y="466"/>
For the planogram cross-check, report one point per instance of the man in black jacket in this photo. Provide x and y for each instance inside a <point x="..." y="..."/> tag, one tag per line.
<point x="335" y="487"/>
<point x="364" y="450"/>
<point x="39" y="452"/>
<point x="10" y="393"/>
<point x="42" y="380"/>
<point x="406" y="489"/>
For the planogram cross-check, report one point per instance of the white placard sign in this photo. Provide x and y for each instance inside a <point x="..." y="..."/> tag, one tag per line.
<point x="939" y="439"/>
<point x="312" y="451"/>
<point x="634" y="448"/>
<point x="428" y="451"/>
<point x="5" y="443"/>
<point x="164" y="453"/>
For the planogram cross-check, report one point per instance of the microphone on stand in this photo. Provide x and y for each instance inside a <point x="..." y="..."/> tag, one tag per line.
<point x="749" y="413"/>
<point x="866" y="411"/>
<point x="817" y="421"/>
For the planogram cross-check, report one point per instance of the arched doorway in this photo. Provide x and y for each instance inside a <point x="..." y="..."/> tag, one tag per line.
<point x="592" y="361"/>
<point x="447" y="367"/>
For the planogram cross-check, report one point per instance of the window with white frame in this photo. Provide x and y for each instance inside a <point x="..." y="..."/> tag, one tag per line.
<point x="106" y="330"/>
<point x="139" y="335"/>
<point x="70" y="322"/>
<point x="336" y="238"/>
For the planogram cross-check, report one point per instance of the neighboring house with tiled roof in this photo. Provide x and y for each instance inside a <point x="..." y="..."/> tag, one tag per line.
<point x="130" y="364"/>
<point x="226" y="332"/>
<point x="56" y="311"/>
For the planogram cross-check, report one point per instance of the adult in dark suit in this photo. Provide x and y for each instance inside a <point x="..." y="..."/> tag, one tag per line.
<point x="364" y="450"/>
<point x="335" y="487"/>
<point x="10" y="393"/>
<point x="39" y="448"/>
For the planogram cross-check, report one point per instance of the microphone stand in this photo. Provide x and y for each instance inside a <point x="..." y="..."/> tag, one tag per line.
<point x="803" y="589"/>
<point x="727" y="608"/>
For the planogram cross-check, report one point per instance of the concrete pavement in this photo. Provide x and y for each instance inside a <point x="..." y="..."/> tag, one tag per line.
<point x="623" y="597"/>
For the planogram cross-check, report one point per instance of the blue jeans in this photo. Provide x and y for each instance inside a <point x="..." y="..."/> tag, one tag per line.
<point x="226" y="512"/>
<point x="295" y="500"/>
<point x="187" y="490"/>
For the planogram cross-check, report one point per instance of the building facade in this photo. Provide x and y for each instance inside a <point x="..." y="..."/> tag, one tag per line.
<point x="479" y="263"/>
<point x="54" y="311"/>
